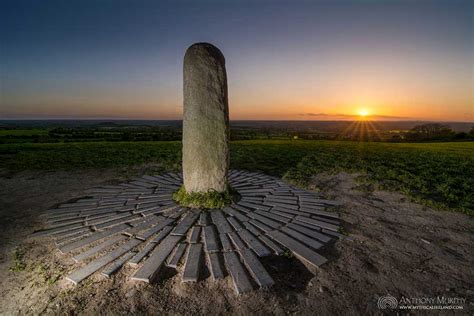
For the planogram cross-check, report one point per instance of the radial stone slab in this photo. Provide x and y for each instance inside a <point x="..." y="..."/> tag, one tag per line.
<point x="138" y="224"/>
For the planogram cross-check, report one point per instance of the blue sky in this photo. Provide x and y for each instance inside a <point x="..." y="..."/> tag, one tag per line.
<point x="285" y="59"/>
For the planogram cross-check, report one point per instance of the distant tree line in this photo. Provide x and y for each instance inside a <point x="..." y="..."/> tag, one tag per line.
<point x="436" y="132"/>
<point x="99" y="133"/>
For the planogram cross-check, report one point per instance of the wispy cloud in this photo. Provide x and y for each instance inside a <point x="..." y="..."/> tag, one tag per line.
<point x="353" y="116"/>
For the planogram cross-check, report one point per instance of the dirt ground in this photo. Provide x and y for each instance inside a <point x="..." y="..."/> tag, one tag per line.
<point x="395" y="247"/>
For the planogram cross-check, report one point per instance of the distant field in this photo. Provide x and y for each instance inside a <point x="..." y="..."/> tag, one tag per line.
<point x="23" y="132"/>
<point x="438" y="174"/>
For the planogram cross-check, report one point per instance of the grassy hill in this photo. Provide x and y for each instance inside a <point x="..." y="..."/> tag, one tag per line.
<point x="437" y="174"/>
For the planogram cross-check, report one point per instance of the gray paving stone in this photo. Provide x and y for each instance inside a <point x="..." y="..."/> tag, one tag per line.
<point x="56" y="230"/>
<point x="287" y="198"/>
<point x="312" y="233"/>
<point x="94" y="250"/>
<point x="254" y="191"/>
<point x="175" y="213"/>
<point x="195" y="235"/>
<point x="220" y="221"/>
<point x="333" y="233"/>
<point x="265" y="220"/>
<point x="142" y="254"/>
<point x="177" y="255"/>
<point x="94" y="237"/>
<point x="327" y="220"/>
<point x="146" y="223"/>
<point x="65" y="234"/>
<point x="73" y="237"/>
<point x="144" y="235"/>
<point x="252" y="227"/>
<point x="215" y="266"/>
<point x="254" y="206"/>
<point x="237" y="214"/>
<point x="317" y="223"/>
<point x="204" y="219"/>
<point x="234" y="223"/>
<point x="241" y="208"/>
<point x="253" y="242"/>
<point x="162" y="234"/>
<point x="185" y="224"/>
<point x="116" y="265"/>
<point x="301" y="237"/>
<point x="299" y="249"/>
<point x="330" y="202"/>
<point x="149" y="270"/>
<point x="282" y="205"/>
<point x="273" y="216"/>
<point x="237" y="272"/>
<point x="256" y="269"/>
<point x="82" y="273"/>
<point x="225" y="242"/>
<point x="252" y="199"/>
<point x="117" y="221"/>
<point x="73" y="220"/>
<point x="272" y="245"/>
<point x="210" y="239"/>
<point x="312" y="207"/>
<point x="236" y="240"/>
<point x="280" y="213"/>
<point x="193" y="263"/>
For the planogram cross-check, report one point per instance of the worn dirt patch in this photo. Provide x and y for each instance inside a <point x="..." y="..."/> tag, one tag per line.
<point x="395" y="247"/>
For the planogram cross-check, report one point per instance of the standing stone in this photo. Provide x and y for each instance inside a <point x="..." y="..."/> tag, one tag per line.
<point x="206" y="120"/>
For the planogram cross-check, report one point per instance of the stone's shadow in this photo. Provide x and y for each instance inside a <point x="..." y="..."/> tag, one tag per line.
<point x="236" y="197"/>
<point x="204" y="272"/>
<point x="73" y="200"/>
<point x="289" y="274"/>
<point x="329" y="251"/>
<point x="164" y="274"/>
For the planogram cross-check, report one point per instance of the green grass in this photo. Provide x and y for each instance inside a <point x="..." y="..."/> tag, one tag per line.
<point x="23" y="132"/>
<point x="207" y="200"/>
<point x="18" y="264"/>
<point x="437" y="174"/>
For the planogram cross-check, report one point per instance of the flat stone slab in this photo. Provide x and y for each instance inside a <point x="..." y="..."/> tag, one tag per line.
<point x="238" y="273"/>
<point x="155" y="261"/>
<point x="177" y="255"/>
<point x="215" y="266"/>
<point x="210" y="239"/>
<point x="193" y="263"/>
<point x="142" y="254"/>
<point x="195" y="235"/>
<point x="116" y="265"/>
<point x="79" y="275"/>
<point x="139" y="225"/>
<point x="256" y="269"/>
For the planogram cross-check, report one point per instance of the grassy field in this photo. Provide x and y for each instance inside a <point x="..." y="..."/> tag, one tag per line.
<point x="23" y="132"/>
<point x="437" y="174"/>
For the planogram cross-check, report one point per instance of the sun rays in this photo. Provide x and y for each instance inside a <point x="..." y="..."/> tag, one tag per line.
<point x="361" y="129"/>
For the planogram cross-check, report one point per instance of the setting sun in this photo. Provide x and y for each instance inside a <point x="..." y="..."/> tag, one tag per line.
<point x="363" y="112"/>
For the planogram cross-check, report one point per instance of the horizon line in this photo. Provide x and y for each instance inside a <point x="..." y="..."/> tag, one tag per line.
<point x="235" y="120"/>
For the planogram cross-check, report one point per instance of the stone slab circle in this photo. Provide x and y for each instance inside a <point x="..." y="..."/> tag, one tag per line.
<point x="137" y="224"/>
<point x="205" y="120"/>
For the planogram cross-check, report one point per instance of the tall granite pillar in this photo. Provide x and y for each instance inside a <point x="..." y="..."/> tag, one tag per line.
<point x="206" y="120"/>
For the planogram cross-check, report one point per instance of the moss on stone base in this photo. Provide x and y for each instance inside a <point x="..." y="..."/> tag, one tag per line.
<point x="210" y="199"/>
